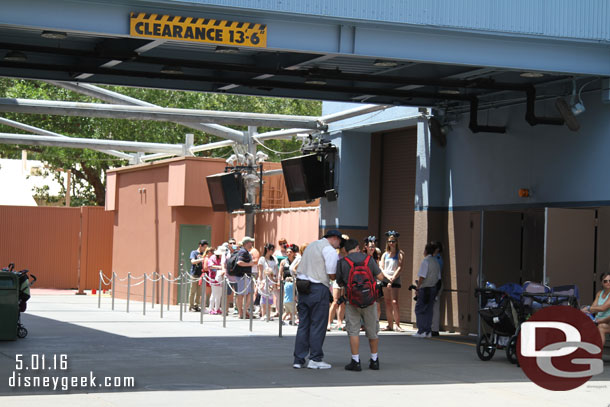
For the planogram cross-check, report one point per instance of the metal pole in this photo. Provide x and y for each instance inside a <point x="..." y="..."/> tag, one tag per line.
<point x="144" y="296"/>
<point x="181" y="280"/>
<point x="152" y="294"/>
<point x="109" y="111"/>
<point x="113" y="288"/>
<point x="169" y="277"/>
<point x="99" y="293"/>
<point x="251" y="301"/>
<point x="224" y="302"/>
<point x="270" y="295"/>
<point x="95" y="144"/>
<point x="161" y="297"/>
<point x="202" y="298"/>
<point x="281" y="306"/>
<point x="128" y="289"/>
<point x="480" y="279"/>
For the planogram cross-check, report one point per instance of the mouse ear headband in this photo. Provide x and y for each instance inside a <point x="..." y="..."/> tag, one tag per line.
<point x="392" y="233"/>
<point x="370" y="239"/>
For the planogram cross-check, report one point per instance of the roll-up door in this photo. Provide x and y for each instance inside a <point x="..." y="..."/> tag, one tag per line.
<point x="397" y="201"/>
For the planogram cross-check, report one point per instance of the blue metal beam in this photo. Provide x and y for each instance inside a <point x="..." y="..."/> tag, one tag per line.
<point x="331" y="36"/>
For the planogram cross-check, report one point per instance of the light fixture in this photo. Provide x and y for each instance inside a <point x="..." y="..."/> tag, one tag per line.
<point x="531" y="74"/>
<point x="449" y="91"/>
<point x="54" y="35"/>
<point x="524" y="193"/>
<point x="315" y="81"/>
<point x="231" y="160"/>
<point x="261" y="157"/>
<point x="221" y="49"/>
<point x="171" y="70"/>
<point x="385" y="63"/>
<point x="15" y="56"/>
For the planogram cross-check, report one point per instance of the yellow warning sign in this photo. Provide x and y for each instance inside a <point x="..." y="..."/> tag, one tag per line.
<point x="198" y="30"/>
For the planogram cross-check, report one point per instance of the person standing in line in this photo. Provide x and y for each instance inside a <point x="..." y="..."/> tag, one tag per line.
<point x="197" y="259"/>
<point x="316" y="269"/>
<point x="244" y="272"/>
<point x="214" y="274"/>
<point x="391" y="266"/>
<point x="429" y="271"/>
<point x="267" y="278"/>
<point x="436" y="310"/>
<point x="231" y="280"/>
<point x="289" y="305"/>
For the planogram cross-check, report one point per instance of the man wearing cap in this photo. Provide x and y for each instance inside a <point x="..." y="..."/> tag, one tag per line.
<point x="317" y="267"/>
<point x="196" y="272"/>
<point x="244" y="267"/>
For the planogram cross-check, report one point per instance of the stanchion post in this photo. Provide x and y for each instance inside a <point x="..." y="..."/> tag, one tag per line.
<point x="144" y="295"/>
<point x="224" y="302"/>
<point x="162" y="277"/>
<point x="169" y="282"/>
<point x="128" y="289"/>
<point x="280" y="305"/>
<point x="181" y="280"/>
<point x="113" y="288"/>
<point x="202" y="298"/>
<point x="251" y="301"/>
<point x="270" y="295"/>
<point x="99" y="293"/>
<point x="152" y="294"/>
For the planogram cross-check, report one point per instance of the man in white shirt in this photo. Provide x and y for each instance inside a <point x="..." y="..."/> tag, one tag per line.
<point x="317" y="267"/>
<point x="429" y="273"/>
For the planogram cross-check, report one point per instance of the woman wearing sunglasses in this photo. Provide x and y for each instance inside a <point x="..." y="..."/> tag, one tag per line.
<point x="601" y="307"/>
<point x="391" y="265"/>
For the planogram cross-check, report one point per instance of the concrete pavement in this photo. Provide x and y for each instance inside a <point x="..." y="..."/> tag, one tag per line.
<point x="173" y="361"/>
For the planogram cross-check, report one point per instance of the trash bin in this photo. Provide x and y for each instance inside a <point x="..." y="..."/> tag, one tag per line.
<point x="9" y="306"/>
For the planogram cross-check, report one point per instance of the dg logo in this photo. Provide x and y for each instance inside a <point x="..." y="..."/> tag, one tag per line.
<point x="559" y="348"/>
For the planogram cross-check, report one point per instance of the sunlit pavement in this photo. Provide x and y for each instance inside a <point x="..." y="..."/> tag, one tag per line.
<point x="175" y="361"/>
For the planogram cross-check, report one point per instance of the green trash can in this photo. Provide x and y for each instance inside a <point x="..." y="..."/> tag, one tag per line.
<point x="9" y="306"/>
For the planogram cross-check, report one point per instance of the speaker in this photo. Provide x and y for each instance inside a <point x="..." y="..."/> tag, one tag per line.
<point x="305" y="177"/>
<point x="568" y="116"/>
<point x="226" y="191"/>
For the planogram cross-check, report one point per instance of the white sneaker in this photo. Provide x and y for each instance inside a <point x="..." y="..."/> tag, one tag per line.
<point x="318" y="365"/>
<point x="297" y="365"/>
<point x="428" y="335"/>
<point x="419" y="335"/>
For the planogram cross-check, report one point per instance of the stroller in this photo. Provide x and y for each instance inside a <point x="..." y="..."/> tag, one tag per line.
<point x="25" y="282"/>
<point x="500" y="310"/>
<point x="537" y="296"/>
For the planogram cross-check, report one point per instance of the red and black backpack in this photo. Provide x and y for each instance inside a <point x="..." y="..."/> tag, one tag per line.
<point x="361" y="288"/>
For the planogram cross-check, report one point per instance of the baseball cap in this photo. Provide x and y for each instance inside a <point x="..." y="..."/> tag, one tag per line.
<point x="333" y="232"/>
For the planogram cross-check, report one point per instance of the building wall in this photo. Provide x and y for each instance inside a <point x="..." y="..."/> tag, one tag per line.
<point x="47" y="241"/>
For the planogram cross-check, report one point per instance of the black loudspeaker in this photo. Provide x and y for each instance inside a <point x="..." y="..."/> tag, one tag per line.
<point x="305" y="177"/>
<point x="226" y="191"/>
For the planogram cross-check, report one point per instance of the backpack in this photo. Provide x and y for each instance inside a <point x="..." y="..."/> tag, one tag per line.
<point x="361" y="286"/>
<point x="232" y="268"/>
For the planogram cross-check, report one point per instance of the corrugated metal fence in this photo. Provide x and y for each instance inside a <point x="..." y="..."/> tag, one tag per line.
<point x="46" y="240"/>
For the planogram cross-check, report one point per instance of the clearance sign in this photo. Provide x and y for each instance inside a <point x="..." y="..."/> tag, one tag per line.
<point x="198" y="30"/>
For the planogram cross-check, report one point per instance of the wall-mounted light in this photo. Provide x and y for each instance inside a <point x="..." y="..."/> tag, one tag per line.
<point x="524" y="193"/>
<point x="384" y="63"/>
<point x="171" y="70"/>
<point x="449" y="91"/>
<point x="15" y="56"/>
<point x="221" y="49"/>
<point x="531" y="74"/>
<point x="54" y="35"/>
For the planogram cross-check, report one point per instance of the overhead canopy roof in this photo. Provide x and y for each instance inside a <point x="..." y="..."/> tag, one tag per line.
<point x="137" y="44"/>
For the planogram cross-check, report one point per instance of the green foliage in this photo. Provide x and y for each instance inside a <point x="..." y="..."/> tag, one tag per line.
<point x="88" y="167"/>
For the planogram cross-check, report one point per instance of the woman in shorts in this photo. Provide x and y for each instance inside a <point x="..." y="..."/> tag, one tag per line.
<point x="391" y="266"/>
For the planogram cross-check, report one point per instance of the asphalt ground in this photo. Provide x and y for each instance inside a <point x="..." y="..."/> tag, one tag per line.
<point x="173" y="361"/>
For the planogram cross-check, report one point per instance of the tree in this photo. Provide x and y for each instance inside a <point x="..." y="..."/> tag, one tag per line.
<point x="89" y="167"/>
